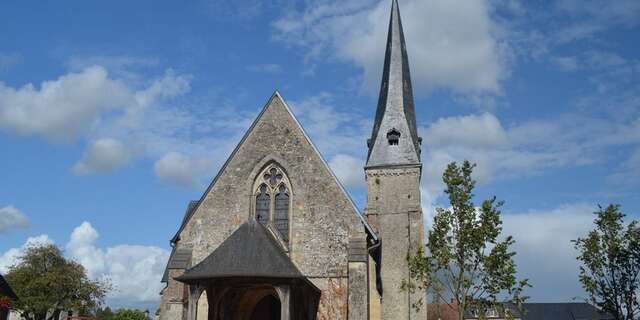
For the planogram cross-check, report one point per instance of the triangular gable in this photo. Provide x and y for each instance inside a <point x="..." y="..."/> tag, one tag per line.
<point x="5" y="289"/>
<point x="276" y="95"/>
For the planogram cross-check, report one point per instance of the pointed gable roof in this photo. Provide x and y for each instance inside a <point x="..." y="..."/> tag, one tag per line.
<point x="395" y="112"/>
<point x="563" y="311"/>
<point x="250" y="251"/>
<point x="5" y="289"/>
<point x="194" y="205"/>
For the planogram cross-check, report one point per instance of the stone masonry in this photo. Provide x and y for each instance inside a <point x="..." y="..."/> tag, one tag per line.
<point x="322" y="217"/>
<point x="393" y="207"/>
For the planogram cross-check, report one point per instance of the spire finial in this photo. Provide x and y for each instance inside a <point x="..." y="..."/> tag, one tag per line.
<point x="394" y="140"/>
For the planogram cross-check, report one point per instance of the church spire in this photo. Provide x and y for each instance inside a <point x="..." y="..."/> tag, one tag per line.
<point x="394" y="140"/>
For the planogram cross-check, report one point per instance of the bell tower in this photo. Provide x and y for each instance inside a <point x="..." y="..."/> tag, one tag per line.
<point x="393" y="173"/>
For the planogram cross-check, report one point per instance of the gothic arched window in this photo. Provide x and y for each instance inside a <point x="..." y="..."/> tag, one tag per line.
<point x="262" y="205"/>
<point x="273" y="200"/>
<point x="281" y="216"/>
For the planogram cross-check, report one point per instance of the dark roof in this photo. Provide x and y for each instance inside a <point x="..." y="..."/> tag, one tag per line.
<point x="251" y="251"/>
<point x="500" y="312"/>
<point x="179" y="259"/>
<point x="6" y="290"/>
<point x="395" y="105"/>
<point x="563" y="311"/>
<point x="187" y="215"/>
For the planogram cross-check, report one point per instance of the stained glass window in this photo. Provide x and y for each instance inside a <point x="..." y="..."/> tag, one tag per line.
<point x="272" y="200"/>
<point x="262" y="205"/>
<point x="282" y="213"/>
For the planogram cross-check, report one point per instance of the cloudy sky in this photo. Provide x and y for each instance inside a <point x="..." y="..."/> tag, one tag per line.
<point x="113" y="116"/>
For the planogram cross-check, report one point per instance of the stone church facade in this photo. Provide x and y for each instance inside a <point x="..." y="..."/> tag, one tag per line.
<point x="276" y="236"/>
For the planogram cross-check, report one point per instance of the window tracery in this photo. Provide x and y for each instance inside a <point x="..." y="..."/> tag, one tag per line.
<point x="272" y="196"/>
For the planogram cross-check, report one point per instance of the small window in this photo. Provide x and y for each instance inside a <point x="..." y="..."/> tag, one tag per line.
<point x="393" y="137"/>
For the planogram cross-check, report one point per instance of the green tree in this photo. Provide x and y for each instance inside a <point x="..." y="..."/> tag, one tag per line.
<point x="467" y="264"/>
<point x="130" y="314"/>
<point x="610" y="257"/>
<point x="104" y="314"/>
<point x="48" y="284"/>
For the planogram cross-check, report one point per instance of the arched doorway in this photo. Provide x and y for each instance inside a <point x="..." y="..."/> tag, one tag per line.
<point x="202" y="312"/>
<point x="266" y="309"/>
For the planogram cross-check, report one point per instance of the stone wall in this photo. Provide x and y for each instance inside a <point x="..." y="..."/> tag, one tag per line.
<point x="374" y="296"/>
<point x="322" y="218"/>
<point x="174" y="298"/>
<point x="393" y="202"/>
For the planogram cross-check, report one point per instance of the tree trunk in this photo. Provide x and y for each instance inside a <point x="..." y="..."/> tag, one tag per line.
<point x="54" y="315"/>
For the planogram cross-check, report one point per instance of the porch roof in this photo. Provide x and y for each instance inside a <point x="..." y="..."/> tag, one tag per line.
<point x="250" y="252"/>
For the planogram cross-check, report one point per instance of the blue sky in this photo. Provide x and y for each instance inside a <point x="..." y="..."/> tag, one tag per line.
<point x="114" y="115"/>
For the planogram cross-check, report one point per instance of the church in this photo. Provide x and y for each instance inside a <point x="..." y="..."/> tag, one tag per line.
<point x="276" y="235"/>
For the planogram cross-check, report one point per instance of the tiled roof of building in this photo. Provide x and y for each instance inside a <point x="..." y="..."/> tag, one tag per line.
<point x="531" y="311"/>
<point x="179" y="259"/>
<point x="441" y="311"/>
<point x="563" y="311"/>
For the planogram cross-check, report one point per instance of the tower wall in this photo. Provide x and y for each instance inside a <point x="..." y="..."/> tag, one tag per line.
<point x="393" y="205"/>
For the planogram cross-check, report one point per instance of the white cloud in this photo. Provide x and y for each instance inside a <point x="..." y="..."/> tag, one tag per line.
<point x="12" y="218"/>
<point x="124" y="117"/>
<point x="481" y="139"/>
<point x="348" y="169"/>
<point x="521" y="149"/>
<point x="81" y="248"/>
<point x="63" y="108"/>
<point x="333" y="130"/>
<point x="545" y="253"/>
<point x="104" y="155"/>
<point x="169" y="86"/>
<point x="181" y="169"/>
<point x="480" y="131"/>
<point x="134" y="270"/>
<point x="11" y="256"/>
<point x="451" y="44"/>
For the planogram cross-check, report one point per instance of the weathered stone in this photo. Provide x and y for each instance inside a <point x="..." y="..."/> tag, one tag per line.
<point x="334" y="299"/>
<point x="358" y="295"/>
<point x="393" y="200"/>
<point x="322" y="217"/>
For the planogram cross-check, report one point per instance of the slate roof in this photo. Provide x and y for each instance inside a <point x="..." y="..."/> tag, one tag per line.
<point x="395" y="105"/>
<point x="191" y="208"/>
<point x="6" y="290"/>
<point x="563" y="311"/>
<point x="251" y="251"/>
<point x="179" y="259"/>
